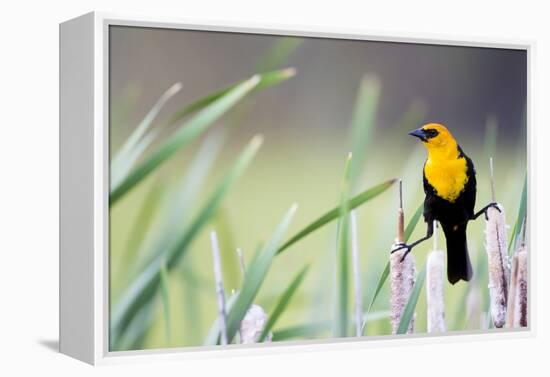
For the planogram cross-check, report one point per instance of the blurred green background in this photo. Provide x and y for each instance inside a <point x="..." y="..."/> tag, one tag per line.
<point x="306" y="121"/>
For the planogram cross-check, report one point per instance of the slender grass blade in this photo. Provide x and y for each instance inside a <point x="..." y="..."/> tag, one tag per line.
<point x="283" y="302"/>
<point x="413" y="222"/>
<point x="145" y="286"/>
<point x="278" y="53"/>
<point x="135" y="335"/>
<point x="302" y="331"/>
<point x="120" y="168"/>
<point x="362" y="124"/>
<point x="379" y="285"/>
<point x="255" y="276"/>
<point x="334" y="213"/>
<point x="342" y="257"/>
<point x="266" y="80"/>
<point x="165" y="294"/>
<point x="140" y="229"/>
<point x="225" y="230"/>
<point x="132" y="148"/>
<point x="187" y="133"/>
<point x="179" y="201"/>
<point x="311" y="330"/>
<point x="516" y="230"/>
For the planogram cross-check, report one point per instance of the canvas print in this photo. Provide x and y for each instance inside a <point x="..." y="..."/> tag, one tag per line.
<point x="278" y="189"/>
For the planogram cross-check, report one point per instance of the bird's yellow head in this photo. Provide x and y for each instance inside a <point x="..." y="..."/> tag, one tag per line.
<point x="435" y="137"/>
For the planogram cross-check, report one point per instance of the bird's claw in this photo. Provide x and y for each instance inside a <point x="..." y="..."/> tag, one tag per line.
<point x="491" y="205"/>
<point x="401" y="246"/>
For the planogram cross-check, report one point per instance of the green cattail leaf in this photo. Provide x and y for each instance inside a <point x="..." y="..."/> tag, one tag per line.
<point x="362" y="124"/>
<point x="302" y="331"/>
<point x="140" y="229"/>
<point x="145" y="286"/>
<point x="266" y="80"/>
<point x="224" y="228"/>
<point x="385" y="273"/>
<point x="408" y="312"/>
<point x="283" y="302"/>
<point x="413" y="222"/>
<point x="334" y="213"/>
<point x="165" y="294"/>
<point x="342" y="257"/>
<point x="255" y="275"/>
<point x="314" y="329"/>
<point x="186" y="193"/>
<point x="516" y="230"/>
<point x="134" y="336"/>
<point x="213" y="202"/>
<point x="211" y="109"/>
<point x="379" y="285"/>
<point x="185" y="134"/>
<point x="138" y="141"/>
<point x="278" y="53"/>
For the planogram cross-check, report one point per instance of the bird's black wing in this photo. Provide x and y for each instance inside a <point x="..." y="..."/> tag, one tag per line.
<point x="468" y="196"/>
<point x="430" y="200"/>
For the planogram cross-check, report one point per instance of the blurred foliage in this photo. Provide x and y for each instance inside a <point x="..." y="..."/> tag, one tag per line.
<point x="160" y="299"/>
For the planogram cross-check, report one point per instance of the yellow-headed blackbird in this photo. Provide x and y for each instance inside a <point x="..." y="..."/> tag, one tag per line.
<point x="450" y="188"/>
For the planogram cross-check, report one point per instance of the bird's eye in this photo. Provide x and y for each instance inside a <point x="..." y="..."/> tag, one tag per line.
<point x="430" y="132"/>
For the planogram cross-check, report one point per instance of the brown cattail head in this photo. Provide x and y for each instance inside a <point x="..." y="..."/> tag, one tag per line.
<point x="520" y="299"/>
<point x="403" y="276"/>
<point x="517" y="303"/>
<point x="522" y="292"/>
<point x="499" y="270"/>
<point x="434" y="289"/>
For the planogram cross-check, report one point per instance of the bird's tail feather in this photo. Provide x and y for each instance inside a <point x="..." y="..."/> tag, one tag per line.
<point x="459" y="266"/>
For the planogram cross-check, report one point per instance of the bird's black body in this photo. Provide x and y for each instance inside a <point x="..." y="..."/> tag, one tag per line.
<point x="454" y="218"/>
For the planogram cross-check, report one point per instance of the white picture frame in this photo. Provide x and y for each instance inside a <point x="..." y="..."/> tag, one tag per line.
<point x="84" y="48"/>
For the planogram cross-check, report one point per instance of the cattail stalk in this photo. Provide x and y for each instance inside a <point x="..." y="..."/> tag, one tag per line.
<point x="434" y="288"/>
<point x="495" y="233"/>
<point x="400" y="215"/>
<point x="220" y="293"/>
<point x="484" y="319"/>
<point x="402" y="274"/>
<point x="512" y="291"/>
<point x="356" y="275"/>
<point x="493" y="194"/>
<point x="475" y="319"/>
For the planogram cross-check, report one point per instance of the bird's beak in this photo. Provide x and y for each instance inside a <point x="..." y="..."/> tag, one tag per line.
<point x="419" y="133"/>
